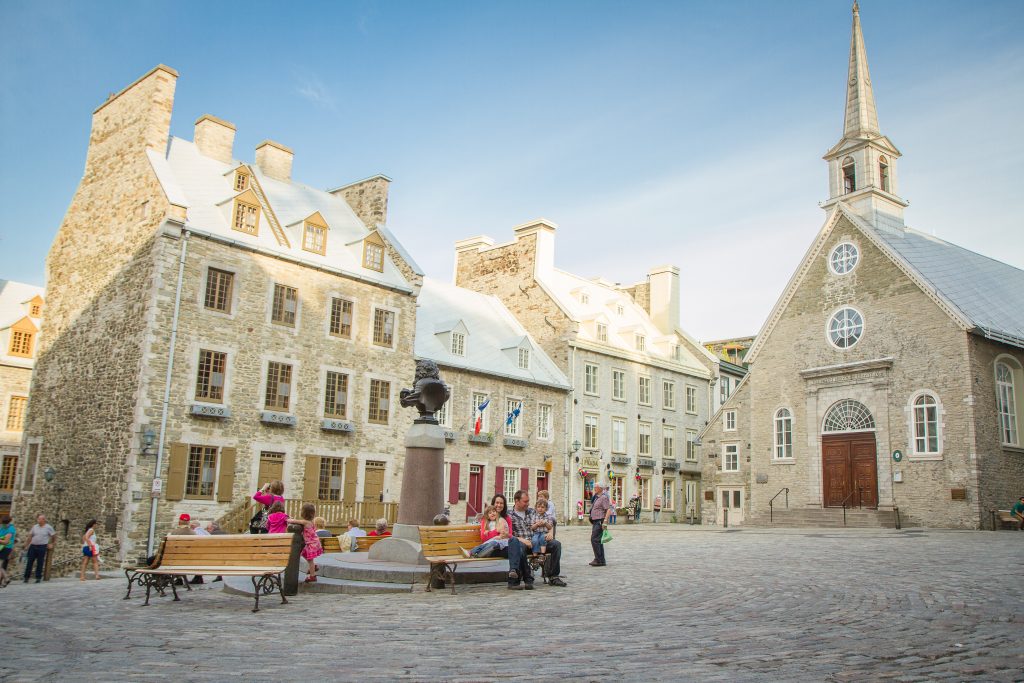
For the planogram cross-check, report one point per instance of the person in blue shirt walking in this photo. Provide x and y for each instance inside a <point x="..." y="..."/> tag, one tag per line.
<point x="7" y="534"/>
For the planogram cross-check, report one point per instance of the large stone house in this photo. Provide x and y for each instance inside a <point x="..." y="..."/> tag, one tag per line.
<point x="214" y="324"/>
<point x="640" y="384"/>
<point x="489" y="359"/>
<point x="889" y="373"/>
<point x="21" y="311"/>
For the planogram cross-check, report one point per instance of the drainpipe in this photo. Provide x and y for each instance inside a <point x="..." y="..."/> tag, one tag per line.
<point x="570" y="428"/>
<point x="167" y="392"/>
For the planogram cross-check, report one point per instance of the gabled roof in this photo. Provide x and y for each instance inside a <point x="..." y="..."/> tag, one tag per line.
<point x="14" y="299"/>
<point x="490" y="328"/>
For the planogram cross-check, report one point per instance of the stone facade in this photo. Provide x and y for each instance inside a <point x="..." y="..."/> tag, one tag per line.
<point x="722" y="479"/>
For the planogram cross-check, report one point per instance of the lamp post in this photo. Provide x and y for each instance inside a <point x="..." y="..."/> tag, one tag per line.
<point x="569" y="506"/>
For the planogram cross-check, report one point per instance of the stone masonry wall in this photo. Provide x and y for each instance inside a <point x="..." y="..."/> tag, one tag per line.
<point x="712" y="457"/>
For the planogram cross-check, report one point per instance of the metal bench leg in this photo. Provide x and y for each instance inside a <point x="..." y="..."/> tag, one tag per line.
<point x="149" y="586"/>
<point x="451" y="576"/>
<point x="174" y="589"/>
<point x="256" y="593"/>
<point x="133" y="577"/>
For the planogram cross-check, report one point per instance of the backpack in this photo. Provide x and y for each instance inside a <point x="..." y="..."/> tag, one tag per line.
<point x="258" y="523"/>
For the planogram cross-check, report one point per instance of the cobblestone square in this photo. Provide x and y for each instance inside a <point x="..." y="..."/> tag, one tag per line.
<point x="675" y="603"/>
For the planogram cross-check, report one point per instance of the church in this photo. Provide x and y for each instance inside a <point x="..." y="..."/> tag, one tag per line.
<point x="887" y="377"/>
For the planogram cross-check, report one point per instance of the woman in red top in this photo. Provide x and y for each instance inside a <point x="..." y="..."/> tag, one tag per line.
<point x="382" y="528"/>
<point x="501" y="504"/>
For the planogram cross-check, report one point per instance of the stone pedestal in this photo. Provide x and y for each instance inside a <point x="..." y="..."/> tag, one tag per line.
<point x="422" y="495"/>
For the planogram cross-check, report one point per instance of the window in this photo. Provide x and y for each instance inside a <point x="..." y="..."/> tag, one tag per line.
<point x="544" y="421"/>
<point x="724" y="389"/>
<point x="35" y="309"/>
<point x="926" y="425"/>
<point x="383" y="327"/>
<point x="849" y="175"/>
<point x="341" y="318"/>
<point x="731" y="457"/>
<point x="330" y="480"/>
<point x="590" y="379"/>
<point x="21" y="343"/>
<point x="843" y="258"/>
<point x="602" y="332"/>
<point x="641" y="342"/>
<point x="643" y="391"/>
<point x="848" y="416"/>
<point x="336" y="395"/>
<point x="590" y="432"/>
<point x="691" y="400"/>
<point x="845" y="328"/>
<point x="481" y="399"/>
<point x="668" y="395"/>
<point x="247" y="218"/>
<point x="201" y="470"/>
<point x="524" y="359"/>
<point x="314" y="238"/>
<point x="729" y="418"/>
<point x="373" y="256"/>
<point x="883" y="174"/>
<point x="444" y="413"/>
<point x="241" y="180"/>
<point x="1006" y="403"/>
<point x="219" y="284"/>
<point x="618" y="435"/>
<point x="510" y="483"/>
<point x="7" y="472"/>
<point x="783" y="434"/>
<point x="210" y="376"/>
<point x="677" y="352"/>
<point x="617" y="493"/>
<point x="513" y="412"/>
<point x="279" y="386"/>
<point x="667" y="488"/>
<point x="458" y="344"/>
<point x="691" y="445"/>
<point x="619" y="385"/>
<point x="645" y="493"/>
<point x="380" y="401"/>
<point x="16" y="413"/>
<point x="644" y="439"/>
<point x="286" y="303"/>
<point x="584" y="298"/>
<point x="28" y="476"/>
<point x="619" y="310"/>
<point x="668" y="442"/>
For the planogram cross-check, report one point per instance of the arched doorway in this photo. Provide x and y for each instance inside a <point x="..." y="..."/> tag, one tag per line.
<point x="848" y="456"/>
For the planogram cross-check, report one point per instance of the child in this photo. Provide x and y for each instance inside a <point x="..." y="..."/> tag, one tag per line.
<point x="541" y="527"/>
<point x="491" y="532"/>
<point x="277" y="519"/>
<point x="313" y="549"/>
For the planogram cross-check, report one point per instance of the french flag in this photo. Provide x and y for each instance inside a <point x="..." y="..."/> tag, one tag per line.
<point x="480" y="416"/>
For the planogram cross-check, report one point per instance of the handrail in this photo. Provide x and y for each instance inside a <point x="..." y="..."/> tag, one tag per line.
<point x="771" y="502"/>
<point x="848" y="496"/>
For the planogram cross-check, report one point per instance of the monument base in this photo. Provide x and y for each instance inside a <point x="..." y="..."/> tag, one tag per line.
<point x="402" y="546"/>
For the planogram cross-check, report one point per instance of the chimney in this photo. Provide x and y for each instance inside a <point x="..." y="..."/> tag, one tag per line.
<point x="664" y="298"/>
<point x="214" y="137"/>
<point x="368" y="199"/>
<point x="274" y="159"/>
<point x="543" y="231"/>
<point x="136" y="118"/>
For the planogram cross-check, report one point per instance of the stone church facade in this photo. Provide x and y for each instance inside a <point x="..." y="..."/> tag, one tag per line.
<point x="888" y="375"/>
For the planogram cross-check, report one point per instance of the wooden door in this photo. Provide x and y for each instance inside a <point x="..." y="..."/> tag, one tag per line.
<point x="373" y="482"/>
<point x="271" y="467"/>
<point x="865" y="472"/>
<point x="835" y="461"/>
<point x="849" y="470"/>
<point x="475" y="497"/>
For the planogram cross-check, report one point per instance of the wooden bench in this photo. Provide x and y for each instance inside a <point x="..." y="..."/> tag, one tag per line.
<point x="263" y="557"/>
<point x="331" y="544"/>
<point x="363" y="543"/>
<point x="1004" y="518"/>
<point x="442" y="547"/>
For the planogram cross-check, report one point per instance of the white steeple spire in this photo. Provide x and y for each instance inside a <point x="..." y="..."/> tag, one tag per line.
<point x="861" y="116"/>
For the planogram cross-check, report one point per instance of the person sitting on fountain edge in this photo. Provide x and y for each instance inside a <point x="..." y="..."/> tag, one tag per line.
<point x="524" y="518"/>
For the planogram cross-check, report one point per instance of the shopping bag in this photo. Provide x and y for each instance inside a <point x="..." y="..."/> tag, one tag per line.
<point x="606" y="536"/>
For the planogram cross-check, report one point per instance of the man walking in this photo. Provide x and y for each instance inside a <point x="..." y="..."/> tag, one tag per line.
<point x="600" y="513"/>
<point x="40" y="539"/>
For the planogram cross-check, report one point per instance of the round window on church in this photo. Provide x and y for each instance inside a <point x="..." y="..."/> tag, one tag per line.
<point x="845" y="328"/>
<point x="843" y="258"/>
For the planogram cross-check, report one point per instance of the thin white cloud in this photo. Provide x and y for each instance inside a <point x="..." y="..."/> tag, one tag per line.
<point x="312" y="89"/>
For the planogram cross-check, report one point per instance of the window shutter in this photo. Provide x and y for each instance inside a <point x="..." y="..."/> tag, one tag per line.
<point x="499" y="480"/>
<point x="453" y="483"/>
<point x="351" y="474"/>
<point x="226" y="479"/>
<point x="311" y="481"/>
<point x="524" y="478"/>
<point x="176" y="471"/>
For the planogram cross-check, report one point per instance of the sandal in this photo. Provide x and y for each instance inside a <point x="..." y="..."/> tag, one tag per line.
<point x="310" y="579"/>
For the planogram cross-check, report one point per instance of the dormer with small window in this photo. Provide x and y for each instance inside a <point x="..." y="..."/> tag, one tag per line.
<point x="35" y="306"/>
<point x="21" y="340"/>
<point x="519" y="352"/>
<point x="241" y="181"/>
<point x="454" y="337"/>
<point x="314" y="234"/>
<point x="373" y="252"/>
<point x="245" y="213"/>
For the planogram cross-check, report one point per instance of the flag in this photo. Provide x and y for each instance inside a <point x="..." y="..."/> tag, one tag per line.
<point x="480" y="416"/>
<point x="513" y="414"/>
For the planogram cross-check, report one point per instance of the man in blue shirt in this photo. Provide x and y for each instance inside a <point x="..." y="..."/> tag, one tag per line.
<point x="7" y="534"/>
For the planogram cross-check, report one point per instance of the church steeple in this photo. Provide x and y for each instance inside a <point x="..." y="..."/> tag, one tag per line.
<point x="862" y="165"/>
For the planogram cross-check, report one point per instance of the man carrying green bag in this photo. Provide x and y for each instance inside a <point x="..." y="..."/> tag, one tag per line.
<point x="600" y="512"/>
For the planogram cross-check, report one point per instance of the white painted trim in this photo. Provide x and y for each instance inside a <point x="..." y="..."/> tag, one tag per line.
<point x="940" y="412"/>
<point x="828" y="324"/>
<point x="832" y="251"/>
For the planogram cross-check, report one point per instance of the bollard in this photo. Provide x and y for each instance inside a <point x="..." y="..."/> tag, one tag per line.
<point x="291" y="574"/>
<point x="725" y="518"/>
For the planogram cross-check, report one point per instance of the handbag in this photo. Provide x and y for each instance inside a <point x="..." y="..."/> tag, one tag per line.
<point x="606" y="536"/>
<point x="258" y="523"/>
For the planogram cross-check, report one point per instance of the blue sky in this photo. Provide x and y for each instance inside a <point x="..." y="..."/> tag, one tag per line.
<point x="651" y="132"/>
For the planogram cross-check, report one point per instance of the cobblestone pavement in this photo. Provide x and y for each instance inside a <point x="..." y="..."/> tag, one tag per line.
<point x="675" y="603"/>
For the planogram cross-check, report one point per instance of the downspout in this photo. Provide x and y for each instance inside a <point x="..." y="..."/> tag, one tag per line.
<point x="570" y="426"/>
<point x="167" y="394"/>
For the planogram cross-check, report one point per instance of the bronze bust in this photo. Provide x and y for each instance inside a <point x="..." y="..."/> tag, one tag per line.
<point x="428" y="394"/>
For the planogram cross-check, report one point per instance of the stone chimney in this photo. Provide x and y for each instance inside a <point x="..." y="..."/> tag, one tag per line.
<point x="214" y="137"/>
<point x="368" y="199"/>
<point x="274" y="159"/>
<point x="543" y="232"/>
<point x="664" y="298"/>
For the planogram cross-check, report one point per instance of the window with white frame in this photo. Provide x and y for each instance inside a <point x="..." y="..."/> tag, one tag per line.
<point x="602" y="332"/>
<point x="691" y="400"/>
<point x="645" y="493"/>
<point x="845" y="327"/>
<point x="641" y="342"/>
<point x="731" y="457"/>
<point x="590" y="432"/>
<point x="843" y="258"/>
<point x="444" y="414"/>
<point x="729" y="418"/>
<point x="619" y="310"/>
<point x="513" y="417"/>
<point x="619" y="385"/>
<point x="480" y="399"/>
<point x="524" y="359"/>
<point x="511" y="482"/>
<point x="691" y="445"/>
<point x="584" y="298"/>
<point x="1006" y="402"/>
<point x="783" y="434"/>
<point x="590" y="378"/>
<point x="643" y="395"/>
<point x="545" y="427"/>
<point x="724" y="389"/>
<point x="644" y="439"/>
<point x="677" y="352"/>
<point x="618" y="435"/>
<point x="617" y="489"/>
<point x="668" y="395"/>
<point x="927" y="435"/>
<point x="458" y="344"/>
<point x="668" y="487"/>
<point x="668" y="442"/>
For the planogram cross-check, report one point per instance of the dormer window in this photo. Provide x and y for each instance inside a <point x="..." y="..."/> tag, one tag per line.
<point x="458" y="344"/>
<point x="883" y="174"/>
<point x="584" y="298"/>
<point x="849" y="175"/>
<point x="314" y="238"/>
<point x="247" y="218"/>
<point x="373" y="253"/>
<point x="241" y="180"/>
<point x="602" y="332"/>
<point x="21" y="343"/>
<point x="641" y="342"/>
<point x="619" y="310"/>
<point x="524" y="359"/>
<point x="35" y="306"/>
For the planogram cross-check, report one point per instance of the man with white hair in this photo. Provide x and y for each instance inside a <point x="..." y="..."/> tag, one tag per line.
<point x="600" y="512"/>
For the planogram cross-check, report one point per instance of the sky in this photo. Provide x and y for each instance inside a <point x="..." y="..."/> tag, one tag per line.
<point x="688" y="133"/>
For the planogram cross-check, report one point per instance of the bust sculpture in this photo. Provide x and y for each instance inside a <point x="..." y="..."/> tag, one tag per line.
<point x="428" y="394"/>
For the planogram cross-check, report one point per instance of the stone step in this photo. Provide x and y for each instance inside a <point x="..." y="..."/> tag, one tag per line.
<point x="825" y="517"/>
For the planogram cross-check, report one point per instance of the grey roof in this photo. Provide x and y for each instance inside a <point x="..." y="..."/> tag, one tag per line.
<point x="988" y="293"/>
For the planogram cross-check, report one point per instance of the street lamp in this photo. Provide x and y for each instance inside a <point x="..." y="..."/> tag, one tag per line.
<point x="148" y="438"/>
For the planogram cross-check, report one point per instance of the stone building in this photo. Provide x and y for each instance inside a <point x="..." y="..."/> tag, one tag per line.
<point x="731" y="367"/>
<point x="889" y="373"/>
<point x="489" y="359"/>
<point x="640" y="384"/>
<point x="215" y="324"/>
<point x="21" y="311"/>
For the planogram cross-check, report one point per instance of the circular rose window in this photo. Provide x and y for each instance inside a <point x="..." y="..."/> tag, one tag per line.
<point x="845" y="328"/>
<point x="843" y="258"/>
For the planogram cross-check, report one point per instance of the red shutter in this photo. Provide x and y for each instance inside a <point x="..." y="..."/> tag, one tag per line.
<point x="524" y="478"/>
<point x="499" y="480"/>
<point x="453" y="483"/>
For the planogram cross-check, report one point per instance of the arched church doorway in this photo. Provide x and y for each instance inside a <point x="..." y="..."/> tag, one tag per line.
<point x="848" y="456"/>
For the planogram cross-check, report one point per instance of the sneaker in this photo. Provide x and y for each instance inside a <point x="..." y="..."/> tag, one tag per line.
<point x="528" y="586"/>
<point x="466" y="553"/>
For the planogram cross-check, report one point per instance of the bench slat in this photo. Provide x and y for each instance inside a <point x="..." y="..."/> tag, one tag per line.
<point x="229" y="571"/>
